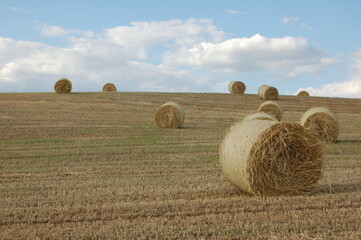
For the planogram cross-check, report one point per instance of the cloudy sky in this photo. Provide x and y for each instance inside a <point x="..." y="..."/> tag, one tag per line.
<point x="182" y="46"/>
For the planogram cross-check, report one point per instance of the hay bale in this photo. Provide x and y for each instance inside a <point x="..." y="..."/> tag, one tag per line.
<point x="109" y="87"/>
<point x="259" y="116"/>
<point x="267" y="93"/>
<point x="271" y="108"/>
<point x="303" y="94"/>
<point x="322" y="123"/>
<point x="236" y="87"/>
<point x="271" y="158"/>
<point x="169" y="115"/>
<point x="63" y="86"/>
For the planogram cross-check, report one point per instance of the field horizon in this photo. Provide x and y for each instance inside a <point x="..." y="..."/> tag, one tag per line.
<point x="94" y="165"/>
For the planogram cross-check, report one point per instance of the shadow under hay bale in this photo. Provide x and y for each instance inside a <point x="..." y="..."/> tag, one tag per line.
<point x="271" y="108"/>
<point x="322" y="123"/>
<point x="109" y="87"/>
<point x="63" y="86"/>
<point x="271" y="158"/>
<point x="267" y="93"/>
<point x="236" y="87"/>
<point x="169" y="115"/>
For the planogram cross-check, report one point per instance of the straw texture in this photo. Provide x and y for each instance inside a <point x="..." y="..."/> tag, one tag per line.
<point x="322" y="123"/>
<point x="267" y="93"/>
<point x="236" y="87"/>
<point x="271" y="158"/>
<point x="271" y="108"/>
<point x="63" y="85"/>
<point x="303" y="94"/>
<point x="259" y="116"/>
<point x="109" y="87"/>
<point x="169" y="115"/>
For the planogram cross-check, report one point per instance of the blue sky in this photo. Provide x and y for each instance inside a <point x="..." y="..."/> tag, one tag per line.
<point x="183" y="46"/>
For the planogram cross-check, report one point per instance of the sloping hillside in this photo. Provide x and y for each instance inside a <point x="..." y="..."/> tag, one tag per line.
<point x="95" y="166"/>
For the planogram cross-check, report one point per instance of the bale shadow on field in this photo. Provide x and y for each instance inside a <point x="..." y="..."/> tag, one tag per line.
<point x="338" y="188"/>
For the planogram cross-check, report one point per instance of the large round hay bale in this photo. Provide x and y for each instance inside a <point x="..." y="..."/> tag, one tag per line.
<point x="259" y="116"/>
<point x="271" y="158"/>
<point x="109" y="87"/>
<point x="236" y="87"/>
<point x="271" y="108"/>
<point x="322" y="123"/>
<point x="267" y="93"/>
<point x="303" y="94"/>
<point x="63" y="86"/>
<point x="169" y="115"/>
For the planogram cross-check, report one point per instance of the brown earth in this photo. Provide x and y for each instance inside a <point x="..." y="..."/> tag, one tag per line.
<point x="95" y="166"/>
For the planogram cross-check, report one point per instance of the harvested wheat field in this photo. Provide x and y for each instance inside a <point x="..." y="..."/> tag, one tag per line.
<point x="95" y="166"/>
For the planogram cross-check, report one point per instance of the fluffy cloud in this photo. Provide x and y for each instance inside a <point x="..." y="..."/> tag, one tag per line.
<point x="348" y="88"/>
<point x="174" y="55"/>
<point x="119" y="54"/>
<point x="56" y="31"/>
<point x="289" y="56"/>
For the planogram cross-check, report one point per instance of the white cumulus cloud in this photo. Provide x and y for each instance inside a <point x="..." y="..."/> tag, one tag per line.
<point x="351" y="87"/>
<point x="290" y="56"/>
<point x="49" y="30"/>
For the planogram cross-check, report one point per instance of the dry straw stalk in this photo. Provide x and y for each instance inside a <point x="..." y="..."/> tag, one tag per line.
<point x="322" y="123"/>
<point x="271" y="108"/>
<point x="63" y="85"/>
<point x="236" y="87"/>
<point x="259" y="116"/>
<point x="271" y="158"/>
<point x="109" y="87"/>
<point x="169" y="115"/>
<point x="267" y="93"/>
<point x="303" y="94"/>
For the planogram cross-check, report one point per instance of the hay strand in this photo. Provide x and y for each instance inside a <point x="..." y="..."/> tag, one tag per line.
<point x="267" y="93"/>
<point x="303" y="94"/>
<point x="63" y="85"/>
<point x="259" y="116"/>
<point x="169" y="115"/>
<point x="271" y="158"/>
<point x="236" y="87"/>
<point x="322" y="123"/>
<point x="109" y="87"/>
<point x="271" y="108"/>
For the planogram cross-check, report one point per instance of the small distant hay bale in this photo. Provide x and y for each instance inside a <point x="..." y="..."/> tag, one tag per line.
<point x="267" y="93"/>
<point x="256" y="115"/>
<point x="303" y="94"/>
<point x="63" y="86"/>
<point x="271" y="108"/>
<point x="109" y="87"/>
<point x="271" y="158"/>
<point x="322" y="123"/>
<point x="236" y="87"/>
<point x="169" y="115"/>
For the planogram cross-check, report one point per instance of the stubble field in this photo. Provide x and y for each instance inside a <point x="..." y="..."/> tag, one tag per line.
<point x="95" y="166"/>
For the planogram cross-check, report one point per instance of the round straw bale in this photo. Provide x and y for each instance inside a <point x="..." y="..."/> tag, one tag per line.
<point x="109" y="87"/>
<point x="271" y="158"/>
<point x="236" y="87"/>
<point x="169" y="115"/>
<point x="322" y="123"/>
<point x="63" y="86"/>
<point x="271" y="108"/>
<point x="303" y="94"/>
<point x="267" y="93"/>
<point x="259" y="116"/>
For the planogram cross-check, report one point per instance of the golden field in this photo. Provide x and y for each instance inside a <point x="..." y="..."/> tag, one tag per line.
<point x="95" y="166"/>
